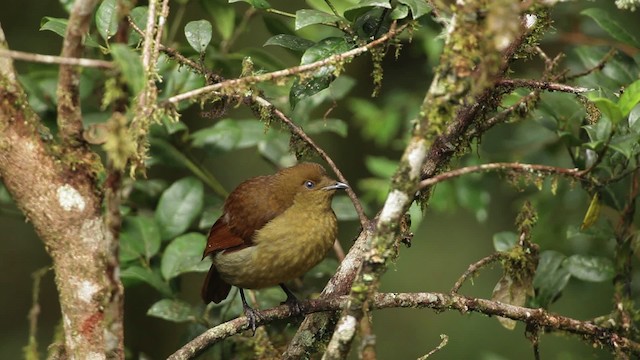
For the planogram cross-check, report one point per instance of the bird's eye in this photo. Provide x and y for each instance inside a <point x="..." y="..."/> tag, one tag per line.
<point x="309" y="184"/>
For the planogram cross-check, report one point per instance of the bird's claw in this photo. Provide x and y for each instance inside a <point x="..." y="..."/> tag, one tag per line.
<point x="295" y="306"/>
<point x="253" y="317"/>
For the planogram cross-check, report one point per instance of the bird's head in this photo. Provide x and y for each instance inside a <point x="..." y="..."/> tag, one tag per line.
<point x="309" y="182"/>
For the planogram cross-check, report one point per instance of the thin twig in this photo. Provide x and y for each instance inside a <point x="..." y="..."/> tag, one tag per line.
<point x="58" y="60"/>
<point x="524" y="168"/>
<point x="598" y="67"/>
<point x="238" y="83"/>
<point x="298" y="131"/>
<point x="473" y="268"/>
<point x="443" y="343"/>
<point x="34" y="312"/>
<point x="541" y="85"/>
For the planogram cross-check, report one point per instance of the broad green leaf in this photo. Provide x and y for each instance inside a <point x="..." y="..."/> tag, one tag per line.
<point x="334" y="125"/>
<point x="629" y="98"/>
<point x="589" y="268"/>
<point x="343" y="207"/>
<point x="634" y="116"/>
<point x="290" y="42"/>
<point x="609" y="109"/>
<point x="172" y="310"/>
<point x="139" y="236"/>
<point x="627" y="145"/>
<point x="419" y="8"/>
<point x="306" y="17"/>
<point x="180" y="79"/>
<point x="399" y="12"/>
<point x="550" y="279"/>
<point x="224" y="16"/>
<point x="128" y="62"/>
<point x="610" y="25"/>
<point x="166" y="154"/>
<point x="139" y="17"/>
<point x="132" y="275"/>
<point x="222" y="136"/>
<point x="67" y="4"/>
<point x="302" y="89"/>
<point x="198" y="34"/>
<point x="362" y="6"/>
<point x="58" y="26"/>
<point x="179" y="205"/>
<point x="600" y="131"/>
<point x="258" y="4"/>
<point x="380" y="166"/>
<point x="504" y="241"/>
<point x="184" y="254"/>
<point x="107" y="19"/>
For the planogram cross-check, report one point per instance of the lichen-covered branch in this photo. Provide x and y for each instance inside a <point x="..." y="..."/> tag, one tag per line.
<point x="57" y="192"/>
<point x="68" y="92"/>
<point x="437" y="301"/>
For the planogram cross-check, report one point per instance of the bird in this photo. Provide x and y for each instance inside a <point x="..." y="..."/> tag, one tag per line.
<point x="273" y="229"/>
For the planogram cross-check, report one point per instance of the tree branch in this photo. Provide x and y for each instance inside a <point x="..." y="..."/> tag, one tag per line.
<point x="436" y="301"/>
<point x="58" y="60"/>
<point x="68" y="91"/>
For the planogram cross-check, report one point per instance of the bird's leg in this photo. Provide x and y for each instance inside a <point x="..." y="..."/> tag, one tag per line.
<point x="252" y="315"/>
<point x="294" y="304"/>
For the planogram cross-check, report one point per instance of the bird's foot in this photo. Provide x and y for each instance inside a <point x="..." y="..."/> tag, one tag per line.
<point x="253" y="317"/>
<point x="295" y="306"/>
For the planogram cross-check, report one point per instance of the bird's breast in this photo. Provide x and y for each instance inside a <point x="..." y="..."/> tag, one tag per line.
<point x="285" y="248"/>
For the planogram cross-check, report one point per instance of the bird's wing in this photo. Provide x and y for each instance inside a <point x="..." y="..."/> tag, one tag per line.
<point x="222" y="238"/>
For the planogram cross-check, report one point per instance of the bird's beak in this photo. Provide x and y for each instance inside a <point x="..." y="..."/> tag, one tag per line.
<point x="337" y="186"/>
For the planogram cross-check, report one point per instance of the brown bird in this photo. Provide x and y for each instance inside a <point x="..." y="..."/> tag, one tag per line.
<point x="273" y="229"/>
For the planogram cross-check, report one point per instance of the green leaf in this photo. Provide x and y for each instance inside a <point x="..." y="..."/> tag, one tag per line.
<point x="224" y="16"/>
<point x="333" y="125"/>
<point x="107" y="19"/>
<point x="179" y="205"/>
<point x="599" y="131"/>
<point x="67" y="4"/>
<point x="419" y="8"/>
<point x="172" y="310"/>
<point x="134" y="274"/>
<point x="629" y="98"/>
<point x="399" y="12"/>
<point x="184" y="254"/>
<point x="609" y="109"/>
<point x="380" y="166"/>
<point x="627" y="145"/>
<point x="57" y="25"/>
<point x="306" y="17"/>
<point x="198" y="34"/>
<point x="139" y="236"/>
<point x="363" y="6"/>
<point x="290" y="42"/>
<point x="634" y="116"/>
<point x="139" y="17"/>
<point x="222" y="136"/>
<point x="343" y="207"/>
<point x="504" y="241"/>
<point x="610" y="25"/>
<point x="258" y="4"/>
<point x="589" y="268"/>
<point x="130" y="66"/>
<point x="551" y="278"/>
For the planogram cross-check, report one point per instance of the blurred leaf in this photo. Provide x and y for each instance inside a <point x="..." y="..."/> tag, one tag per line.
<point x="139" y="236"/>
<point x="551" y="278"/>
<point x="179" y="205"/>
<point x="418" y="8"/>
<point x="608" y="109"/>
<point x="139" y="17"/>
<point x="589" y="268"/>
<point x="178" y="80"/>
<point x="381" y="167"/>
<point x="258" y="4"/>
<point x="629" y="98"/>
<point x="616" y="30"/>
<point x="290" y="42"/>
<point x="343" y="207"/>
<point x="172" y="310"/>
<point x="504" y="241"/>
<point x="107" y="19"/>
<point x="593" y="212"/>
<point x="399" y="12"/>
<point x="134" y="274"/>
<point x="130" y="66"/>
<point x="184" y="254"/>
<point x="224" y="16"/>
<point x="634" y="116"/>
<point x="57" y="25"/>
<point x="67" y="5"/>
<point x="363" y="6"/>
<point x="329" y="125"/>
<point x="198" y="34"/>
<point x="229" y="134"/>
<point x="209" y="217"/>
<point x="326" y="268"/>
<point x="627" y="145"/>
<point x="380" y="124"/>
<point x="600" y="131"/>
<point x="306" y="17"/>
<point x="507" y="291"/>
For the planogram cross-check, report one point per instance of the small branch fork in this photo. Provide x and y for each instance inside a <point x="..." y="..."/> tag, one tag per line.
<point x="436" y="301"/>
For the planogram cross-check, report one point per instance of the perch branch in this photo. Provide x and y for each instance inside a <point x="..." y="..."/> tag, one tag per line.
<point x="58" y="60"/>
<point x="436" y="301"/>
